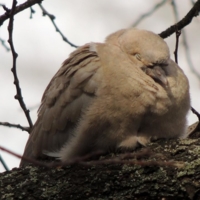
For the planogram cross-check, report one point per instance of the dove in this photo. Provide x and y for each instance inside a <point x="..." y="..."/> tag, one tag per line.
<point x="111" y="97"/>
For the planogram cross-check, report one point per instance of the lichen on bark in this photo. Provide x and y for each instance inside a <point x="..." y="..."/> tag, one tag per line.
<point x="171" y="170"/>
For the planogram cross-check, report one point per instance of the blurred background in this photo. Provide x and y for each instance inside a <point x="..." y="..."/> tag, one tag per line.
<point x="41" y="50"/>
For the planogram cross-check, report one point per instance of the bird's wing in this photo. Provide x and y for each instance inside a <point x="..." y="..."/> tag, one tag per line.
<point x="68" y="94"/>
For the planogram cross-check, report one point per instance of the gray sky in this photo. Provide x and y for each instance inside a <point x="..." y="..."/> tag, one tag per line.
<point x="41" y="51"/>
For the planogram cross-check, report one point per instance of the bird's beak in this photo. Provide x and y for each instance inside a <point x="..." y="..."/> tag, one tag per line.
<point x="162" y="79"/>
<point x="158" y="75"/>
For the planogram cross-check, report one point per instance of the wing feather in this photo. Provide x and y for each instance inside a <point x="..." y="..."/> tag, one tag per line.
<point x="68" y="94"/>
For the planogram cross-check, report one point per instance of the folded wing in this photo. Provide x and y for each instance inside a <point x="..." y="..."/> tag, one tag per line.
<point x="68" y="94"/>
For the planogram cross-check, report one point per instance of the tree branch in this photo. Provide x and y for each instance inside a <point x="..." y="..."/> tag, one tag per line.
<point x="18" y="96"/>
<point x="184" y="22"/>
<point x="4" y="45"/>
<point x="52" y="18"/>
<point x="3" y="163"/>
<point x="149" y="13"/>
<point x="7" y="124"/>
<point x="18" y="9"/>
<point x="150" y="175"/>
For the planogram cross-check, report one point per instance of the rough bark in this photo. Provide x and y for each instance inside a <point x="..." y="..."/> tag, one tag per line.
<point x="171" y="170"/>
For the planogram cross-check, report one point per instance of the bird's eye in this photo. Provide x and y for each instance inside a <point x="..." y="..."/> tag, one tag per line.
<point x="161" y="63"/>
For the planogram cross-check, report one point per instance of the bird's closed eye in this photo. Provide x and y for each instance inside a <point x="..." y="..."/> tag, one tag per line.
<point x="161" y="63"/>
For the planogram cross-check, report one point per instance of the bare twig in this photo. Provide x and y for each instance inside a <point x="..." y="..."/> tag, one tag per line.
<point x="197" y="126"/>
<point x="188" y="56"/>
<point x="178" y="32"/>
<point x="4" y="7"/>
<point x="115" y="160"/>
<point x="28" y="4"/>
<point x="18" y="9"/>
<point x="196" y="113"/>
<point x="52" y="18"/>
<point x="32" y="11"/>
<point x="4" y="45"/>
<point x="185" y="43"/>
<point x="142" y="17"/>
<point x="184" y="22"/>
<point x="7" y="124"/>
<point x="18" y="96"/>
<point x="186" y="51"/>
<point x="3" y="163"/>
<point x="36" y="162"/>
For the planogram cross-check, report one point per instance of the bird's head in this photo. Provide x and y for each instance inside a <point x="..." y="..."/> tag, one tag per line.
<point x="147" y="47"/>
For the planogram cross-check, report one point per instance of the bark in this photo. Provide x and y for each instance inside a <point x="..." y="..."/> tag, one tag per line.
<point x="170" y="170"/>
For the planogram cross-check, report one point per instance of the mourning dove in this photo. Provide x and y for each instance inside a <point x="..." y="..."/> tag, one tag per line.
<point x="110" y="96"/>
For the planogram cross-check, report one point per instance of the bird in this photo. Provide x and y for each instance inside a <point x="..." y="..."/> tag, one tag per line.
<point x="111" y="97"/>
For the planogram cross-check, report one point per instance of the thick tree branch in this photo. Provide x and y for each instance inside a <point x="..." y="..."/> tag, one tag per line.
<point x="129" y="179"/>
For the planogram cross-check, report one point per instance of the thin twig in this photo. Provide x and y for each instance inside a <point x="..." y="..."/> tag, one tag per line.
<point x="36" y="162"/>
<point x="18" y="9"/>
<point x="178" y="32"/>
<point x="7" y="124"/>
<point x="185" y="43"/>
<point x="184" y="22"/>
<point x="28" y="4"/>
<point x="186" y="50"/>
<point x="3" y="163"/>
<point x="116" y="160"/>
<point x="18" y="96"/>
<point x="52" y="18"/>
<point x="196" y="113"/>
<point x="32" y="11"/>
<point x="197" y="128"/>
<point x="5" y="8"/>
<point x="4" y="44"/>
<point x="188" y="56"/>
<point x="169" y="31"/>
<point x="142" y="17"/>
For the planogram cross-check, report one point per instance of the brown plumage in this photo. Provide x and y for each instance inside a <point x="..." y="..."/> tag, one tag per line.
<point x="110" y="96"/>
